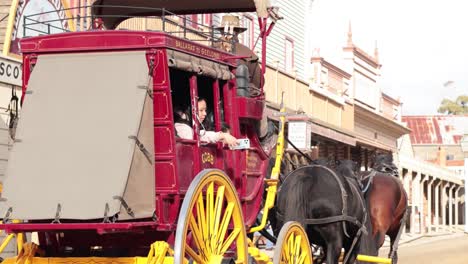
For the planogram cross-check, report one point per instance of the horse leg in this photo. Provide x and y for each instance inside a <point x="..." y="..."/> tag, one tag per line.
<point x="393" y="254"/>
<point x="379" y="238"/>
<point x="394" y="239"/>
<point x="353" y="255"/>
<point x="333" y="251"/>
<point x="334" y="243"/>
<point x="395" y="234"/>
<point x="332" y="234"/>
<point x="353" y="250"/>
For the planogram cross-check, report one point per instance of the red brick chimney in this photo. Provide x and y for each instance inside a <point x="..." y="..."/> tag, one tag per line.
<point x="442" y="157"/>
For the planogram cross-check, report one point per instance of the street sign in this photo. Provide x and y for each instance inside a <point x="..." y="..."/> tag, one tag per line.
<point x="10" y="71"/>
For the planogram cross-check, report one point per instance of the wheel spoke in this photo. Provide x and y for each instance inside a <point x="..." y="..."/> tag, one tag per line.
<point x="217" y="215"/>
<point x="224" y="226"/>
<point x="197" y="237"/>
<point x="291" y="247"/>
<point x="302" y="258"/>
<point x="210" y="209"/>
<point x="198" y="259"/>
<point x="298" y="248"/>
<point x="230" y="239"/>
<point x="201" y="216"/>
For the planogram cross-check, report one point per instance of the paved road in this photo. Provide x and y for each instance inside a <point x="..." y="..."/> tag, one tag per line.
<point x="441" y="250"/>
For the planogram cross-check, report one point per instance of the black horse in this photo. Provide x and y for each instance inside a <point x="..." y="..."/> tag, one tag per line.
<point x="329" y="205"/>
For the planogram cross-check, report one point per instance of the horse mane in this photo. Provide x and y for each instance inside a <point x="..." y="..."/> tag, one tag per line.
<point x="348" y="169"/>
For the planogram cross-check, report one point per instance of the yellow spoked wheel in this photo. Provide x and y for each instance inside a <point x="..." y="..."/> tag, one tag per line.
<point x="292" y="246"/>
<point x="211" y="216"/>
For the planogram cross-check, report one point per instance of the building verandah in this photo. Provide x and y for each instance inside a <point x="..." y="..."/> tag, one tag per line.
<point x="434" y="196"/>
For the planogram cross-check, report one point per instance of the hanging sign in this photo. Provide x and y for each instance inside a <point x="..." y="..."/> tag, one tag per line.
<point x="299" y="133"/>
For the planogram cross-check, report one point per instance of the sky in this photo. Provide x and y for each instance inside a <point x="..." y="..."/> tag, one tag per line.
<point x="422" y="45"/>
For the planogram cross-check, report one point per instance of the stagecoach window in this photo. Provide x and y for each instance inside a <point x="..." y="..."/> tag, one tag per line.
<point x="180" y="93"/>
<point x="206" y="89"/>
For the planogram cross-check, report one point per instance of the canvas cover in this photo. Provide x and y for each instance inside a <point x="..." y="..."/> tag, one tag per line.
<point x="139" y="192"/>
<point x="74" y="144"/>
<point x="5" y="144"/>
<point x="115" y="11"/>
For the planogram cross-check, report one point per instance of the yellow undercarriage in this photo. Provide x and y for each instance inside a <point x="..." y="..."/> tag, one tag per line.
<point x="90" y="260"/>
<point x="160" y="253"/>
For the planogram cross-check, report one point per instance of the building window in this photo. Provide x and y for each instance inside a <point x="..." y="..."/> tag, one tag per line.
<point x="78" y="15"/>
<point x="203" y="20"/>
<point x="207" y="20"/>
<point x="199" y="21"/>
<point x="289" y="55"/>
<point x="248" y="35"/>
<point x="194" y="21"/>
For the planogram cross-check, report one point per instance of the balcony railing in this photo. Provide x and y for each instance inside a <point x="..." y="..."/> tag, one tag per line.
<point x="82" y="19"/>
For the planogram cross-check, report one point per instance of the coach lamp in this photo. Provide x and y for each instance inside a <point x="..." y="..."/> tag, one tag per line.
<point x="242" y="80"/>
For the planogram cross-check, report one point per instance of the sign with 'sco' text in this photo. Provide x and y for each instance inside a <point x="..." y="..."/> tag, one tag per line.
<point x="10" y="71"/>
<point x="299" y="133"/>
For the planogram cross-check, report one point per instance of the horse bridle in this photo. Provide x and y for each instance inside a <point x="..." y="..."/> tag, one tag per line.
<point x="387" y="168"/>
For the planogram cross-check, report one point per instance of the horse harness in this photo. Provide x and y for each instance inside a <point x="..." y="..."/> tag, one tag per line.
<point x="387" y="169"/>
<point x="373" y="172"/>
<point x="370" y="176"/>
<point x="344" y="217"/>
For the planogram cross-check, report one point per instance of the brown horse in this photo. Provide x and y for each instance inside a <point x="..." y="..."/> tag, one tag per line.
<point x="387" y="202"/>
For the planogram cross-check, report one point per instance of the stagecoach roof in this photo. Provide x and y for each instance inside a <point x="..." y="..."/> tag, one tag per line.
<point x="115" y="11"/>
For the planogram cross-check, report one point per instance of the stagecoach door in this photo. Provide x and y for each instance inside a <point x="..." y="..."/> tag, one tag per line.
<point x="211" y="154"/>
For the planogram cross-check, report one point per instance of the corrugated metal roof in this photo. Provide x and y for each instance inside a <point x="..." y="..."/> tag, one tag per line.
<point x="436" y="130"/>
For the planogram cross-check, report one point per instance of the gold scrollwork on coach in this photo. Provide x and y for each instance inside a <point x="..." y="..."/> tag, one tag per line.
<point x="207" y="158"/>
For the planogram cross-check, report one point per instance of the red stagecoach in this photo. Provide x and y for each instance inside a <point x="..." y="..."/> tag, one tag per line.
<point x="97" y="173"/>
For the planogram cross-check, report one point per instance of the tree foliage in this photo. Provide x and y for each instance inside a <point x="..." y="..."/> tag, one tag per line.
<point x="457" y="107"/>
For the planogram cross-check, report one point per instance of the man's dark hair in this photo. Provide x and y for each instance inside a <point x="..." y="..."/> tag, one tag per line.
<point x="179" y="111"/>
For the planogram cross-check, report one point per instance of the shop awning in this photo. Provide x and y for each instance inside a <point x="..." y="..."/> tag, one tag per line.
<point x="319" y="128"/>
<point x="333" y="134"/>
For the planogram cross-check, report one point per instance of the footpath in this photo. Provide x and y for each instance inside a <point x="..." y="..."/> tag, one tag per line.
<point x="408" y="238"/>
